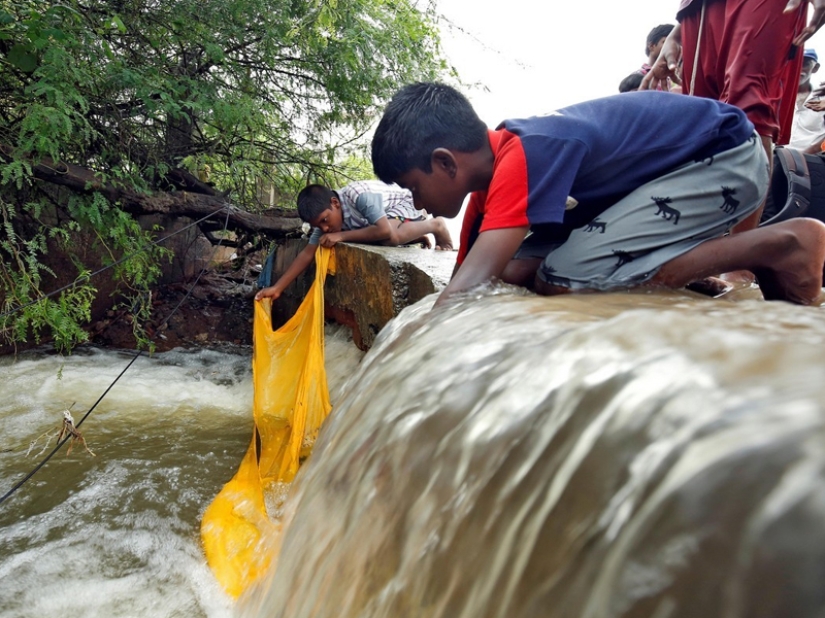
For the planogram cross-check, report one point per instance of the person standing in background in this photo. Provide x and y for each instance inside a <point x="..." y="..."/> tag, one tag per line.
<point x="808" y="122"/>
<point x="742" y="52"/>
<point x="653" y="46"/>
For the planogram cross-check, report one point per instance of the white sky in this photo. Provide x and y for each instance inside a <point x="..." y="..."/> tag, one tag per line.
<point x="528" y="57"/>
<point x="536" y="56"/>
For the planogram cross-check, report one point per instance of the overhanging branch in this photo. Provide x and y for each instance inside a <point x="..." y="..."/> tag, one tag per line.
<point x="277" y="222"/>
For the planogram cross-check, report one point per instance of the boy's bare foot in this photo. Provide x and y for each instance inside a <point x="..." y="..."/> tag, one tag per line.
<point x="796" y="268"/>
<point x="710" y="286"/>
<point x="738" y="278"/>
<point x="443" y="240"/>
<point x="422" y="241"/>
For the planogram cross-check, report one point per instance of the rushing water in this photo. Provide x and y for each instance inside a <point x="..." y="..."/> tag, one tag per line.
<point x="606" y="455"/>
<point x="117" y="534"/>
<point x="653" y="455"/>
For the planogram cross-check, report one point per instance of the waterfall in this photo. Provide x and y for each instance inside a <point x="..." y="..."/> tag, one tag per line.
<point x="639" y="454"/>
<point x="585" y="456"/>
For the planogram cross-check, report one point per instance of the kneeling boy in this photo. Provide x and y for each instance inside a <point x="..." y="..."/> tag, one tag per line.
<point x="655" y="183"/>
<point x="366" y="211"/>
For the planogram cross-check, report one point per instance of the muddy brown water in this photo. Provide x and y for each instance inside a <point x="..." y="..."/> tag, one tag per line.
<point x="655" y="454"/>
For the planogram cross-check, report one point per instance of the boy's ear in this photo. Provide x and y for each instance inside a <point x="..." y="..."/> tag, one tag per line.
<point x="334" y="202"/>
<point x="442" y="159"/>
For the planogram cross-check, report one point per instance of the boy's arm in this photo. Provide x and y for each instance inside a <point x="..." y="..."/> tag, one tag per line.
<point x="377" y="232"/>
<point x="299" y="265"/>
<point x="491" y="252"/>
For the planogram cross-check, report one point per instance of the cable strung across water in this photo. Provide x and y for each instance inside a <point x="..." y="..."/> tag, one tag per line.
<point x="139" y="353"/>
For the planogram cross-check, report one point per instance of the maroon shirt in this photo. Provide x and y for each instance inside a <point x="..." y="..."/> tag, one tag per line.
<point x="683" y="6"/>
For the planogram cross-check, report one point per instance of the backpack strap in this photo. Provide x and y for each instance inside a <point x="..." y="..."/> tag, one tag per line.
<point x="790" y="185"/>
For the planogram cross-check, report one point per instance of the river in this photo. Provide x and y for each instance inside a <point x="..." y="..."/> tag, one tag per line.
<point x="639" y="454"/>
<point x="118" y="534"/>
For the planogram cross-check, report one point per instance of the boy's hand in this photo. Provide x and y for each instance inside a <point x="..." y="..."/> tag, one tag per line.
<point x="271" y="292"/>
<point x="663" y="68"/>
<point x="817" y="105"/>
<point x="331" y="239"/>
<point x="491" y="252"/>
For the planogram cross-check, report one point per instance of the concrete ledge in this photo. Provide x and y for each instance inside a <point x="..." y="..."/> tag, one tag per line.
<point x="371" y="286"/>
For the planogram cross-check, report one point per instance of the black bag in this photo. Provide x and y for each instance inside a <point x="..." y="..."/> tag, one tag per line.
<point x="797" y="186"/>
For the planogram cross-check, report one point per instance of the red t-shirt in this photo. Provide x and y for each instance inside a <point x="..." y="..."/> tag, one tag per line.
<point x="508" y="190"/>
<point x="596" y="152"/>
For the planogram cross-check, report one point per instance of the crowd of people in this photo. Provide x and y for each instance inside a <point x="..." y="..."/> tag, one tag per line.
<point x="652" y="188"/>
<point x="808" y="126"/>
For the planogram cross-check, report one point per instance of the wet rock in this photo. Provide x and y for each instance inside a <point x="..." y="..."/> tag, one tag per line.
<point x="371" y="286"/>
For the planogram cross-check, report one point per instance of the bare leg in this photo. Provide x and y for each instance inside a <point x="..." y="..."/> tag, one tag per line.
<point x="407" y="231"/>
<point x="787" y="259"/>
<point x="521" y="271"/>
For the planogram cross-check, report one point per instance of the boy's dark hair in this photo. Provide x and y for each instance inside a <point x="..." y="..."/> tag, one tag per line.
<point x="313" y="200"/>
<point x="631" y="82"/>
<point x="656" y="34"/>
<point x="420" y="118"/>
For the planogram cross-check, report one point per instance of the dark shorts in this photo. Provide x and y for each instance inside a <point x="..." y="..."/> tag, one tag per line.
<point x="629" y="242"/>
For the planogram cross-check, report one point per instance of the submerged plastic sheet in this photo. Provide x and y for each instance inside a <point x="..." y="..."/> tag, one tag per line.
<point x="291" y="401"/>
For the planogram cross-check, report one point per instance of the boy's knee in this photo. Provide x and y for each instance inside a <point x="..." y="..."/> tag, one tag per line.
<point x="521" y="272"/>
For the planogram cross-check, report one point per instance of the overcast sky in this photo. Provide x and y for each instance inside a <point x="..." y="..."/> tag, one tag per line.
<point x="528" y="57"/>
<point x="538" y="56"/>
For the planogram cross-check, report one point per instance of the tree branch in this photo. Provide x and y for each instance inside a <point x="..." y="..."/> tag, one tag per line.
<point x="277" y="223"/>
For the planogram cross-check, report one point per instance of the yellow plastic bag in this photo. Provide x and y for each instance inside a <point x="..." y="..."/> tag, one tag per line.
<point x="290" y="402"/>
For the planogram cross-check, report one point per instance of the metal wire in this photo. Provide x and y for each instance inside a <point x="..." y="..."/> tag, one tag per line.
<point x="139" y="353"/>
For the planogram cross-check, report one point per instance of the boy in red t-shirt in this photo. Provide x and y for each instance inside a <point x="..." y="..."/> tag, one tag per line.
<point x="635" y="189"/>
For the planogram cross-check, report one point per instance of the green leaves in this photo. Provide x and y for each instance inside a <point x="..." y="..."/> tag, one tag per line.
<point x="261" y="93"/>
<point x="118" y="23"/>
<point x="151" y="72"/>
<point x="23" y="57"/>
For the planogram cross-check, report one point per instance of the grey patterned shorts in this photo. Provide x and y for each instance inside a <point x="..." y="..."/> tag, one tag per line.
<point x="629" y="242"/>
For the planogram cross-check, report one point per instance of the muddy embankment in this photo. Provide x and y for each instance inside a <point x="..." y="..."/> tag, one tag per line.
<point x="204" y="295"/>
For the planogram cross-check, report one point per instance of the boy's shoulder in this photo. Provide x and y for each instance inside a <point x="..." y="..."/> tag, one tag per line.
<point x="632" y="122"/>
<point x="359" y="187"/>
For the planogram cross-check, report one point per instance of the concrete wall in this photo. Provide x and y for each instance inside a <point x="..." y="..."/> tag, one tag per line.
<point x="372" y="284"/>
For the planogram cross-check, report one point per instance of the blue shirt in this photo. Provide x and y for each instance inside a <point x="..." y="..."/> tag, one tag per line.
<point x="601" y="150"/>
<point x="595" y="152"/>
